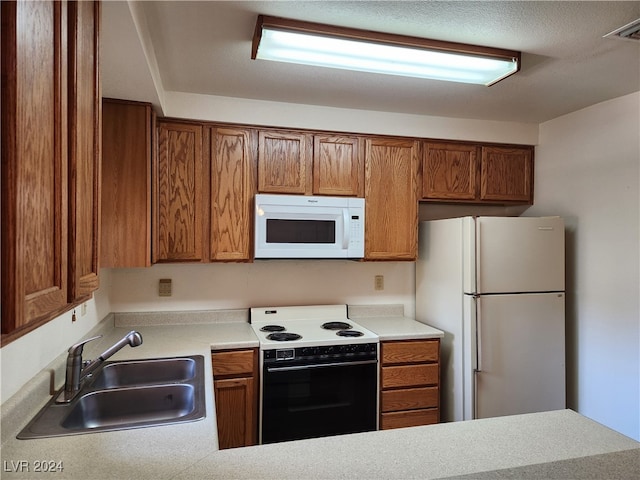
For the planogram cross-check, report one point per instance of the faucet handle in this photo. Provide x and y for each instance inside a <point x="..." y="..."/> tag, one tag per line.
<point x="76" y="349"/>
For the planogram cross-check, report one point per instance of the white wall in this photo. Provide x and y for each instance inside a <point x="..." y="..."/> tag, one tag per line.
<point x="263" y="283"/>
<point x="23" y="358"/>
<point x="587" y="170"/>
<point x="279" y="114"/>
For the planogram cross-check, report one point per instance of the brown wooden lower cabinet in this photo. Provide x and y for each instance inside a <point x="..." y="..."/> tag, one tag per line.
<point x="236" y="396"/>
<point x="410" y="383"/>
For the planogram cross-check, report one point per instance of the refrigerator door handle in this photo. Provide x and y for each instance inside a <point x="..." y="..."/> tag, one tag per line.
<point x="478" y="369"/>
<point x="478" y="334"/>
<point x="478" y="264"/>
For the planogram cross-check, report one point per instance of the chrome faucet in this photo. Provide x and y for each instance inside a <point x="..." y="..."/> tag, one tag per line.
<point x="77" y="370"/>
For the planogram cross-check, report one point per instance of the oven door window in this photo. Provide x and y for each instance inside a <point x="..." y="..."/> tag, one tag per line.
<point x="318" y="401"/>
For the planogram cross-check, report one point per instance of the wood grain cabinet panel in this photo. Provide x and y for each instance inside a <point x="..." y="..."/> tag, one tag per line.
<point x="409" y="399"/>
<point x="463" y="172"/>
<point x="234" y="362"/>
<point x="450" y="171"/>
<point x="391" y="224"/>
<point x="409" y="418"/>
<point x="50" y="108"/>
<point x="235" y="375"/>
<point x="233" y="164"/>
<point x="409" y="375"/>
<point x="126" y="184"/>
<point x="338" y="168"/>
<point x="181" y="182"/>
<point x="34" y="162"/>
<point x="234" y="411"/>
<point x="84" y="148"/>
<point x="284" y="162"/>
<point x="411" y="351"/>
<point x="409" y="383"/>
<point x="507" y="174"/>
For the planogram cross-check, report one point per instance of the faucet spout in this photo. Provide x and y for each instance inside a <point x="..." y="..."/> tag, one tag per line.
<point x="77" y="370"/>
<point x="132" y="338"/>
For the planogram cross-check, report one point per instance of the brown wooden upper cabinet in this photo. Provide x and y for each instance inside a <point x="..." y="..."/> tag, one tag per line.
<point x="338" y="167"/>
<point x="391" y="186"/>
<point x="450" y="171"/>
<point x="284" y="162"/>
<point x="506" y="174"/>
<point x="182" y="180"/>
<point x="50" y="160"/>
<point x="302" y="163"/>
<point x="85" y="126"/>
<point x="127" y="129"/>
<point x="205" y="184"/>
<point x="233" y="165"/>
<point x="474" y="173"/>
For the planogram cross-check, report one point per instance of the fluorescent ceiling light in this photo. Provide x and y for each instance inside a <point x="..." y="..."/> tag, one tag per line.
<point x="291" y="41"/>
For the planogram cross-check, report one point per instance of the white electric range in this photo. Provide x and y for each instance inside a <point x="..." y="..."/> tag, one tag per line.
<point x="319" y="373"/>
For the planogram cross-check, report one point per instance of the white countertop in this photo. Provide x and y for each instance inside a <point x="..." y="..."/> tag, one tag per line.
<point x="190" y="451"/>
<point x="398" y="328"/>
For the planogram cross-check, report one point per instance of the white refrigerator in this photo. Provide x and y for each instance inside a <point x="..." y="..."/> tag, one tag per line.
<point x="495" y="286"/>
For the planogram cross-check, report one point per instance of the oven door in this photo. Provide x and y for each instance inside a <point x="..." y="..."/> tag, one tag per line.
<point x="307" y="401"/>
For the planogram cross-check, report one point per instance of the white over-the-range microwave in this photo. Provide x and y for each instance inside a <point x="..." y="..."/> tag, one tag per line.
<point x="298" y="226"/>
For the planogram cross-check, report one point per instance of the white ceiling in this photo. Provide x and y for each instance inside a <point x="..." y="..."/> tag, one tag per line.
<point x="205" y="47"/>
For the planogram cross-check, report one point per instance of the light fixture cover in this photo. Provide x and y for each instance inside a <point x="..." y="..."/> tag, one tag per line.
<point x="315" y="44"/>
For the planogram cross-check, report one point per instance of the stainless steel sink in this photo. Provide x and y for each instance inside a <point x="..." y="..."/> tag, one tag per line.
<point x="130" y="394"/>
<point x="144" y="372"/>
<point x="132" y="406"/>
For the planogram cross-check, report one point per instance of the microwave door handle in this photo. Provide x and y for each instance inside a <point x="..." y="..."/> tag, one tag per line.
<point x="345" y="228"/>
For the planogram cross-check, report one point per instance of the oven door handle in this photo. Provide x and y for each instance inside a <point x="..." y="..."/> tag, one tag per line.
<point x="318" y="365"/>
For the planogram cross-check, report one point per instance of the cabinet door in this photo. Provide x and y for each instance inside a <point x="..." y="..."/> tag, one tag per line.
<point x="233" y="154"/>
<point x="284" y="162"/>
<point x="338" y="168"/>
<point x="391" y="171"/>
<point x="181" y="177"/>
<point x="34" y="163"/>
<point x="507" y="174"/>
<point x="84" y="148"/>
<point x="126" y="184"/>
<point x="450" y="171"/>
<point x="235" y="412"/>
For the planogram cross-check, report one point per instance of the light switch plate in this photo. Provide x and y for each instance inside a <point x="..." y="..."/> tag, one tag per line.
<point x="164" y="287"/>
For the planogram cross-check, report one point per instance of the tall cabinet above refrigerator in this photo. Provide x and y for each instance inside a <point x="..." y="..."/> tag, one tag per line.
<point x="495" y="286"/>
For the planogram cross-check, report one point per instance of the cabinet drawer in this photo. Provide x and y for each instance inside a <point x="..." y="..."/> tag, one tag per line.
<point x="410" y="352"/>
<point x="410" y="375"/>
<point x="232" y="363"/>
<point x="409" y="399"/>
<point x="410" y="418"/>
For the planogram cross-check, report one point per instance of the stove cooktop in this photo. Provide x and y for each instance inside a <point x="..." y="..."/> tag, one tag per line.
<point x="293" y="327"/>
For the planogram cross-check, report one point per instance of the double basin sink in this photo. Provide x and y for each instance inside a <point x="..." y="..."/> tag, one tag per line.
<point x="127" y="394"/>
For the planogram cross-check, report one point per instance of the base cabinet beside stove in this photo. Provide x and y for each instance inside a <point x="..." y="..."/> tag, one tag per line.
<point x="409" y="383"/>
<point x="236" y="386"/>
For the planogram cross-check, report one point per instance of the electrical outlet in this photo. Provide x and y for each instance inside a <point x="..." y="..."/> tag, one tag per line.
<point x="378" y="282"/>
<point x="164" y="287"/>
<point x="83" y="310"/>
